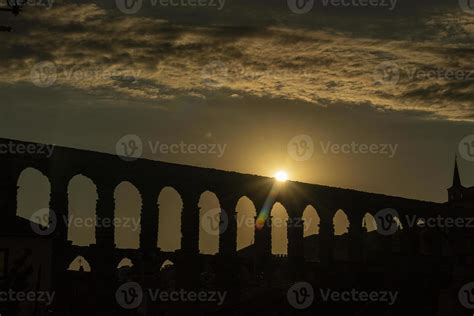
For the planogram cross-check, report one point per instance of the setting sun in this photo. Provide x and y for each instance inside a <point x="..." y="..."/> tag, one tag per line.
<point x="281" y="176"/>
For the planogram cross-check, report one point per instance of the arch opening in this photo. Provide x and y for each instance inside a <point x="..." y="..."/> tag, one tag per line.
<point x="369" y="223"/>
<point x="209" y="219"/>
<point x="80" y="264"/>
<point x="246" y="213"/>
<point x="126" y="223"/>
<point x="169" y="217"/>
<point x="34" y="190"/>
<point x="341" y="223"/>
<point x="311" y="221"/>
<point x="279" y="218"/>
<point x="82" y="196"/>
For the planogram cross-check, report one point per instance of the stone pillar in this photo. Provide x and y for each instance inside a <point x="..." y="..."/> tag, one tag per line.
<point x="263" y="238"/>
<point x="228" y="227"/>
<point x="296" y="238"/>
<point x="8" y="194"/>
<point x="263" y="244"/>
<point x="104" y="249"/>
<point x="228" y="268"/>
<point x="59" y="208"/>
<point x="356" y="241"/>
<point x="190" y="223"/>
<point x="326" y="240"/>
<point x="104" y="234"/>
<point x="149" y="236"/>
<point x="188" y="264"/>
<point x="296" y="246"/>
<point x="149" y="221"/>
<point x="410" y="237"/>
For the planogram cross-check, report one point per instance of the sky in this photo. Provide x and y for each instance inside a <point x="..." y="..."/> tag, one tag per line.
<point x="376" y="97"/>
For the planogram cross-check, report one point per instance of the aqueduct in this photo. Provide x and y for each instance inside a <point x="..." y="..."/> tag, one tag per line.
<point x="107" y="171"/>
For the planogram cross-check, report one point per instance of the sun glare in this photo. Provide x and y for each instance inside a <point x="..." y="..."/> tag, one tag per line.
<point x="281" y="176"/>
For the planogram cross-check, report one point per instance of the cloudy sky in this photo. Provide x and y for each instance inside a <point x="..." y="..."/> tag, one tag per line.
<point x="264" y="81"/>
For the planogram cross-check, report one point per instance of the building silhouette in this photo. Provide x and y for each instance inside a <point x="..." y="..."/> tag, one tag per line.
<point x="425" y="264"/>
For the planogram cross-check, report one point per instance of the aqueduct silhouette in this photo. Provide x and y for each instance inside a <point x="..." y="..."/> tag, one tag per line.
<point x="150" y="177"/>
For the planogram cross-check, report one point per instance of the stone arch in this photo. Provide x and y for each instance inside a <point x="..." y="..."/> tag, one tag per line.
<point x="166" y="264"/>
<point x="311" y="221"/>
<point x="168" y="275"/>
<point x="279" y="220"/>
<point x="169" y="227"/>
<point x="369" y="223"/>
<point x="341" y="223"/>
<point x="209" y="223"/>
<point x="341" y="236"/>
<point x="82" y="197"/>
<point x="34" y="190"/>
<point x="125" y="262"/>
<point x="311" y="241"/>
<point x="246" y="213"/>
<point x="79" y="263"/>
<point x="128" y="202"/>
